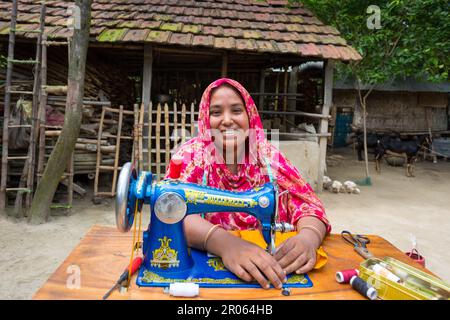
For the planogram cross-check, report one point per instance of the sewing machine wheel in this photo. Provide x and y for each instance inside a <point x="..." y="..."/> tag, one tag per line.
<point x="125" y="205"/>
<point x="170" y="207"/>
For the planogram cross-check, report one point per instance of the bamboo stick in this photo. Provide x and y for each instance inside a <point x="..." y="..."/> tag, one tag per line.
<point x="175" y="123"/>
<point x="149" y="137"/>
<point x="192" y="120"/>
<point x="97" y="166"/>
<point x="183" y="123"/>
<point x="135" y="136"/>
<point x="116" y="159"/>
<point x="158" y="142"/>
<point x="277" y="88"/>
<point x="140" y="138"/>
<point x="167" y="133"/>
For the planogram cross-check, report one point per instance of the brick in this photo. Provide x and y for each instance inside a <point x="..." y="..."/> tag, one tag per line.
<point x="181" y="39"/>
<point x="252" y="34"/>
<point x="207" y="41"/>
<point x="190" y="28"/>
<point x="265" y="46"/>
<point x="225" y="43"/>
<point x="174" y="27"/>
<point x="137" y="35"/>
<point x="158" y="36"/>
<point x="246" y="44"/>
<point x="215" y="31"/>
<point x="112" y="35"/>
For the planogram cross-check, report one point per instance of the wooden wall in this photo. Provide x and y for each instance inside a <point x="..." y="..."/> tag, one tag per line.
<point x="398" y="111"/>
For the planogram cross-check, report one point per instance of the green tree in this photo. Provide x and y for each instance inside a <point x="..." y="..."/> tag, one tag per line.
<point x="411" y="40"/>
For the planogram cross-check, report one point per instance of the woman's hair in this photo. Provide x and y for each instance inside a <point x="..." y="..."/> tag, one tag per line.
<point x="231" y="87"/>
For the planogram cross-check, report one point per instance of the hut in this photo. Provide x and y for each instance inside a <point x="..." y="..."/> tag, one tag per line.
<point x="165" y="52"/>
<point x="404" y="106"/>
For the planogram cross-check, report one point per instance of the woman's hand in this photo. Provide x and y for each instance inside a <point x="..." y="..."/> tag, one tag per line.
<point x="298" y="253"/>
<point x="248" y="261"/>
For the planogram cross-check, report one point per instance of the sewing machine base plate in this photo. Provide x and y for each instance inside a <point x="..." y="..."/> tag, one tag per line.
<point x="208" y="271"/>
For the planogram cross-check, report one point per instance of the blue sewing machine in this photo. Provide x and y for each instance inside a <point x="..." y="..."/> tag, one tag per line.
<point x="167" y="257"/>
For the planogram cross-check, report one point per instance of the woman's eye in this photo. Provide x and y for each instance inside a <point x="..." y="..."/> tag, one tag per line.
<point x="214" y="113"/>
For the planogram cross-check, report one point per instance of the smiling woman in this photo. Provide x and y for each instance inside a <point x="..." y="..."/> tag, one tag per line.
<point x="230" y="129"/>
<point x="229" y="124"/>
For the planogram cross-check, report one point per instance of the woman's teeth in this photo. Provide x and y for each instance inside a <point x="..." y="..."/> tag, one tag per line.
<point x="230" y="132"/>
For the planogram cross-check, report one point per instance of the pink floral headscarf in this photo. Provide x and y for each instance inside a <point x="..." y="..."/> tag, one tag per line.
<point x="202" y="163"/>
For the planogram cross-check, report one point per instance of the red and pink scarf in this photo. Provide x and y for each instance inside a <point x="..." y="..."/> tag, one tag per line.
<point x="202" y="164"/>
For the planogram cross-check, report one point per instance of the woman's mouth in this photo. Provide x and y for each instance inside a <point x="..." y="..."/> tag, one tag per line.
<point x="230" y="133"/>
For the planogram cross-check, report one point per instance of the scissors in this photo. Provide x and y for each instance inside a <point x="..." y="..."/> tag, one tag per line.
<point x="358" y="242"/>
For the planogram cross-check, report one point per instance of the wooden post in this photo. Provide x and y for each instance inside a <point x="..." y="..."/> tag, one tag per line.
<point x="149" y="137"/>
<point x="41" y="112"/>
<point x="147" y="75"/>
<point x="327" y="101"/>
<point x="277" y="88"/>
<point x="183" y="123"/>
<point x="99" y="154"/>
<point x="116" y="157"/>
<point x="146" y="94"/>
<point x="224" y="65"/>
<point x="192" y="120"/>
<point x="285" y="96"/>
<point x="158" y="141"/>
<point x="175" y="126"/>
<point x="6" y="109"/>
<point x="140" y="138"/>
<point x="166" y="134"/>
<point x="262" y="83"/>
<point x="292" y="89"/>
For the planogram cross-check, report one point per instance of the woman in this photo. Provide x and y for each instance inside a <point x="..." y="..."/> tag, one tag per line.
<point x="231" y="153"/>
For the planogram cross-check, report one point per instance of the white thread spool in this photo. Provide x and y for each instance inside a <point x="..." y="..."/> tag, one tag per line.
<point x="183" y="289"/>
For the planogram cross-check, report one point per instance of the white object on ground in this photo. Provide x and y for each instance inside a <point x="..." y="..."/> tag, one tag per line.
<point x="336" y="187"/>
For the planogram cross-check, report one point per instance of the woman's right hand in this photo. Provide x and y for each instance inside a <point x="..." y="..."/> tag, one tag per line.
<point x="246" y="260"/>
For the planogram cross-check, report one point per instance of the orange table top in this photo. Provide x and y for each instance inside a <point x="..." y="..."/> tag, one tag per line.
<point x="95" y="264"/>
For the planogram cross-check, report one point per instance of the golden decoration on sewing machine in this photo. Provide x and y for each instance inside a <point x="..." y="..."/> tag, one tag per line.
<point x="217" y="264"/>
<point x="165" y="257"/>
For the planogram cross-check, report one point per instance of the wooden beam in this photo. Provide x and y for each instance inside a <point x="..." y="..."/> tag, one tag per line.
<point x="224" y="65"/>
<point x="262" y="85"/>
<point x="146" y="93"/>
<point x="147" y="75"/>
<point x="327" y="101"/>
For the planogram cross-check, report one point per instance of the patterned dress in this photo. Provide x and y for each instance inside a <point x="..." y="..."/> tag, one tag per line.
<point x="202" y="164"/>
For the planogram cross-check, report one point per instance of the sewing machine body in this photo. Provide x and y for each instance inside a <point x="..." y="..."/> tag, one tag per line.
<point x="165" y="249"/>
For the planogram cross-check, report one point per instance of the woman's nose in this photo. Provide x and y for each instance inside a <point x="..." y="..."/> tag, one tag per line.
<point x="227" y="119"/>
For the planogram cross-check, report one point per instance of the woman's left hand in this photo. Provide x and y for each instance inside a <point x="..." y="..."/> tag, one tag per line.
<point x="297" y="254"/>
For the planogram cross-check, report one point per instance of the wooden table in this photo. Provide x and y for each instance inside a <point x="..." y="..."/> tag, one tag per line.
<point x="103" y="254"/>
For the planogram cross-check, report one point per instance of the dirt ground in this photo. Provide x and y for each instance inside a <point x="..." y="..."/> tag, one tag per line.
<point x="394" y="207"/>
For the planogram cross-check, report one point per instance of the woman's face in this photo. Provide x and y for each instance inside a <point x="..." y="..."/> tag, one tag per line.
<point x="228" y="119"/>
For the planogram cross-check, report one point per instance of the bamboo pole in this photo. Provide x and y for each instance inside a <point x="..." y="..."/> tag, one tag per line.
<point x="277" y="89"/>
<point x="149" y="137"/>
<point x="158" y="142"/>
<point x="135" y="135"/>
<point x="192" y="120"/>
<point x="183" y="123"/>
<point x="285" y="96"/>
<point x="141" y="137"/>
<point x="167" y="134"/>
<point x="175" y="126"/>
<point x="99" y="154"/>
<point x="116" y="158"/>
